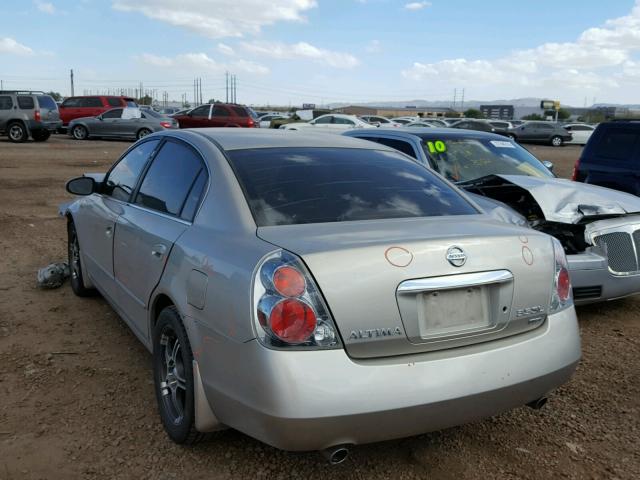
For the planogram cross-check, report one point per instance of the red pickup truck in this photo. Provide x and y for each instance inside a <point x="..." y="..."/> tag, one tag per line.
<point x="218" y="115"/>
<point x="91" y="106"/>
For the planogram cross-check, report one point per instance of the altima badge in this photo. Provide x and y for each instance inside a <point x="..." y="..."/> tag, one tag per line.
<point x="456" y="256"/>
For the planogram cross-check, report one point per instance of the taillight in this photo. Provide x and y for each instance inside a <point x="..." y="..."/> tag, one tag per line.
<point x="288" y="307"/>
<point x="576" y="166"/>
<point x="36" y="115"/>
<point x="165" y="124"/>
<point x="251" y="123"/>
<point x="561" y="294"/>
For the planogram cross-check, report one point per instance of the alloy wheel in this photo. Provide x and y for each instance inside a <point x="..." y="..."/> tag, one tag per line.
<point x="173" y="384"/>
<point x="16" y="133"/>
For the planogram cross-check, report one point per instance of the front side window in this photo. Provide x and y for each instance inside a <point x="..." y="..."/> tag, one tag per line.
<point x="26" y="103"/>
<point x="400" y="145"/>
<point x="323" y="120"/>
<point x="122" y="178"/>
<point x="466" y="159"/>
<point x="172" y="175"/>
<point x="285" y="186"/>
<point x="72" y="102"/>
<point x="115" y="113"/>
<point x="91" y="102"/>
<point x="6" y="103"/>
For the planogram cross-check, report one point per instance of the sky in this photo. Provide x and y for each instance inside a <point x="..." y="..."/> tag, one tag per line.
<point x="325" y="51"/>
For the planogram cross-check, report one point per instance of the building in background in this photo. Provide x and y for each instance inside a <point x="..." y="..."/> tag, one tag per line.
<point x="398" y="111"/>
<point x="498" y="112"/>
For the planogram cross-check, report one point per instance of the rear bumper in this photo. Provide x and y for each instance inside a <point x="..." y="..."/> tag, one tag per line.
<point x="593" y="282"/>
<point x="50" y="126"/>
<point x="317" y="399"/>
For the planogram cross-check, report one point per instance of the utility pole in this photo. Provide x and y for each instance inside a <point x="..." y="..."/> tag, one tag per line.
<point x="72" y="94"/>
<point x="462" y="101"/>
<point x="455" y="96"/>
<point x="200" y="83"/>
<point x="226" y="78"/>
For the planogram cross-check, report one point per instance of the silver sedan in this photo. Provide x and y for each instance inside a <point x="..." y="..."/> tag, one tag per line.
<point x="315" y="292"/>
<point x="120" y="123"/>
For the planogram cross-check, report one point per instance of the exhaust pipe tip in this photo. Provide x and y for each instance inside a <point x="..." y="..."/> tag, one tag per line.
<point x="336" y="455"/>
<point x="538" y="403"/>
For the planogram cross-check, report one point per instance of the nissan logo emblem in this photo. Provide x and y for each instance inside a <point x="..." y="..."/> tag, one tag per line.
<point x="456" y="256"/>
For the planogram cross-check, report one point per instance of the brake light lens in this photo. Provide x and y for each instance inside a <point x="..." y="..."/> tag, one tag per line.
<point x="288" y="307"/>
<point x="165" y="124"/>
<point x="576" y="166"/>
<point x="36" y="115"/>
<point x="561" y="295"/>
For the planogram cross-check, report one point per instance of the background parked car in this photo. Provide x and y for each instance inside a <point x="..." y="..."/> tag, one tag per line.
<point x="611" y="157"/>
<point x="28" y="113"/>
<point x="218" y="115"/>
<point x="593" y="224"/>
<point x="541" y="132"/>
<point x="479" y="125"/>
<point x="580" y="133"/>
<point x="265" y="120"/>
<point x="379" y="121"/>
<point x="91" y="106"/>
<point x="420" y="124"/>
<point x="332" y="121"/>
<point x="436" y="122"/>
<point x="121" y="123"/>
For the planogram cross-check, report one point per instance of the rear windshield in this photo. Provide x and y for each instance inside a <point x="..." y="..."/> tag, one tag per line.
<point x="617" y="144"/>
<point x="45" y="101"/>
<point x="285" y="186"/>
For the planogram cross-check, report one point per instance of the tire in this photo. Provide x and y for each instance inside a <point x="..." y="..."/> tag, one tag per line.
<point x="41" y="135"/>
<point x="80" y="132"/>
<point x="17" y="132"/>
<point x="75" y="263"/>
<point x="556" y="141"/>
<point x="173" y="378"/>
<point x="512" y="137"/>
<point x="143" y="132"/>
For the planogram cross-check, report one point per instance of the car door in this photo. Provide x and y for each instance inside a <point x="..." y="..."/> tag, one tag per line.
<point x="96" y="216"/>
<point x="162" y="209"/>
<point x="220" y="117"/>
<point x="108" y="124"/>
<point x="197" y="118"/>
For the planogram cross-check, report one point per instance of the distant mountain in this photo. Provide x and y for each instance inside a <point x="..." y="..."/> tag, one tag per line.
<point x="516" y="102"/>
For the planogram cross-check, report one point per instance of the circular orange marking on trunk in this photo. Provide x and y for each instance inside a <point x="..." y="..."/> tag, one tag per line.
<point x="398" y="256"/>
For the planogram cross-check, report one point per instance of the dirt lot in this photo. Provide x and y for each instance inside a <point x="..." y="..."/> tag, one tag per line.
<point x="77" y="396"/>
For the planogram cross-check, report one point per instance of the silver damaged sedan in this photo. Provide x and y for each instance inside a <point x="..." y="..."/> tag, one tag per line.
<point x="316" y="293"/>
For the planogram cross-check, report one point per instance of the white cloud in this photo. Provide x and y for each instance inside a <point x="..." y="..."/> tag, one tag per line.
<point x="416" y="5"/>
<point x="301" y="50"/>
<point x="374" y="46"/>
<point x="45" y="7"/>
<point x="226" y="49"/>
<point x="584" y="65"/>
<point x="9" y="45"/>
<point x="202" y="62"/>
<point x="219" y="18"/>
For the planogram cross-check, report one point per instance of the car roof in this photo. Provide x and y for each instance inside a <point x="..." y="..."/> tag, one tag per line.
<point x="440" y="133"/>
<point x="251" y="138"/>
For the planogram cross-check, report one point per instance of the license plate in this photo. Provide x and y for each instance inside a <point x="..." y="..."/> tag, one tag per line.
<point x="447" y="312"/>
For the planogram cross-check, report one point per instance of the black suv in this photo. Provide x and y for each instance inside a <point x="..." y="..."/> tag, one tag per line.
<point x="24" y="114"/>
<point x="611" y="157"/>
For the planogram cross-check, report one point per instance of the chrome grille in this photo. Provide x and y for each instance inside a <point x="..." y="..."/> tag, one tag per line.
<point x="620" y="250"/>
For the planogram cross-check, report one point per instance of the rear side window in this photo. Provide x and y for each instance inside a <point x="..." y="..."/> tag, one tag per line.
<point x="26" y="103"/>
<point x="5" y="102"/>
<point x="114" y="102"/>
<point x="123" y="177"/>
<point x="170" y="179"/>
<point x="617" y="144"/>
<point x="45" y="101"/>
<point x="220" y="112"/>
<point x="285" y="186"/>
<point x="239" y="111"/>
<point x="201" y="111"/>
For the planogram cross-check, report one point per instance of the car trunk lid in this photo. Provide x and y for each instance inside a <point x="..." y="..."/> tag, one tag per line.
<point x="393" y="288"/>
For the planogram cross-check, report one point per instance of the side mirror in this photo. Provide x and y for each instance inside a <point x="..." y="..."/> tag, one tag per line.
<point x="548" y="164"/>
<point x="81" y="186"/>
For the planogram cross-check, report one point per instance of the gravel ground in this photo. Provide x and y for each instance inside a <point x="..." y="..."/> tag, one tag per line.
<point x="77" y="394"/>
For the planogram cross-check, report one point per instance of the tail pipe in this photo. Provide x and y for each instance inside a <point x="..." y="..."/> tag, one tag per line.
<point x="538" y="403"/>
<point x="336" y="455"/>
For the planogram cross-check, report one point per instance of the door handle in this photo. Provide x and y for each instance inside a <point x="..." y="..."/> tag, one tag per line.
<point x="108" y="231"/>
<point x="158" y="250"/>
